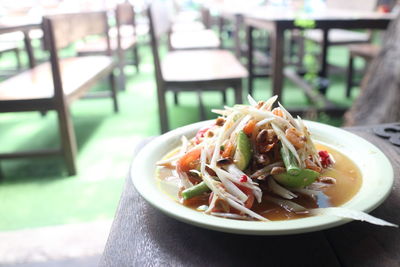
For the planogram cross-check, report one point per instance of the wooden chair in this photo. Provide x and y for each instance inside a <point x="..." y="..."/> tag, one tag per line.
<point x="55" y="85"/>
<point x="123" y="40"/>
<point x="190" y="70"/>
<point x="366" y="51"/>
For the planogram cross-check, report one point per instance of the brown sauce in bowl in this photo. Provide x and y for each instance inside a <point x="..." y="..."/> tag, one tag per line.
<point x="348" y="182"/>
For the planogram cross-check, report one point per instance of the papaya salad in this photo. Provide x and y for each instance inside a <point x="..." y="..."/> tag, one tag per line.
<point x="251" y="159"/>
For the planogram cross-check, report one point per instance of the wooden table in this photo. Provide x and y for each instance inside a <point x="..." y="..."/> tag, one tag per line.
<point x="21" y="24"/>
<point x="143" y="236"/>
<point x="278" y="20"/>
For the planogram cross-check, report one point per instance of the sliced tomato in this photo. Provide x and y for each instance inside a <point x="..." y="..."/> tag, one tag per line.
<point x="189" y="161"/>
<point x="250" y="196"/>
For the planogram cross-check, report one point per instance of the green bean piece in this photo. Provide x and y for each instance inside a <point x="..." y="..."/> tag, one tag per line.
<point x="290" y="161"/>
<point x="304" y="178"/>
<point x="195" y="190"/>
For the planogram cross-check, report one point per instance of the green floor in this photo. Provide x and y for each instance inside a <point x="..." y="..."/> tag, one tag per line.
<point x="36" y="192"/>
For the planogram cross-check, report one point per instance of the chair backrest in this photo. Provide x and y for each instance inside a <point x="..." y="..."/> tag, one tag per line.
<point x="71" y="27"/>
<point x="356" y="5"/>
<point x="63" y="29"/>
<point x="161" y="16"/>
<point x="160" y="25"/>
<point x="125" y="14"/>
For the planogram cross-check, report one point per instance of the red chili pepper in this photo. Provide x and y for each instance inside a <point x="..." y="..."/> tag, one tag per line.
<point x="323" y="154"/>
<point x="325" y="158"/>
<point x="200" y="134"/>
<point x="243" y="179"/>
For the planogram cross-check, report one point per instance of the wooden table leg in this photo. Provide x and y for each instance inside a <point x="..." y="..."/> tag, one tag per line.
<point x="236" y="35"/>
<point x="277" y="51"/>
<point x="249" y="33"/>
<point x="238" y="92"/>
<point x="29" y="49"/>
<point x="202" y="111"/>
<point x="300" y="52"/>
<point x="349" y="82"/>
<point x="1" y="173"/>
<point x="68" y="139"/>
<point x="323" y="73"/>
<point x="121" y="67"/>
<point x="221" y="29"/>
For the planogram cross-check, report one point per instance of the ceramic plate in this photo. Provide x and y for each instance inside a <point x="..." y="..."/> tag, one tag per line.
<point x="376" y="170"/>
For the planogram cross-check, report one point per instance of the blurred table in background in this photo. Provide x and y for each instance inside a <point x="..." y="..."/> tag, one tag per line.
<point x="278" y="20"/>
<point x="143" y="236"/>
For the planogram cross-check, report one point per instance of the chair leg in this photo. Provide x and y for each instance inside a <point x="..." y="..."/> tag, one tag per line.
<point x="300" y="53"/>
<point x="1" y="173"/>
<point x="224" y="99"/>
<point x="176" y="99"/>
<point x="249" y="37"/>
<point x="238" y="93"/>
<point x="350" y="76"/>
<point x="220" y="31"/>
<point x="113" y="91"/>
<point x="290" y="49"/>
<point x="201" y="106"/>
<point x="162" y="111"/>
<point x="68" y="141"/>
<point x="121" y="66"/>
<point x="18" y="58"/>
<point x="136" y="57"/>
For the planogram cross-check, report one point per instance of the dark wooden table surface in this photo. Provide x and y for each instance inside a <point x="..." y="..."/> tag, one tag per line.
<point x="143" y="236"/>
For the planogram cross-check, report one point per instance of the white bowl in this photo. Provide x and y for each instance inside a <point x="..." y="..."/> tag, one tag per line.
<point x="376" y="171"/>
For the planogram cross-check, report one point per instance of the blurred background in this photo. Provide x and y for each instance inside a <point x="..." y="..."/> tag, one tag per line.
<point x="83" y="82"/>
